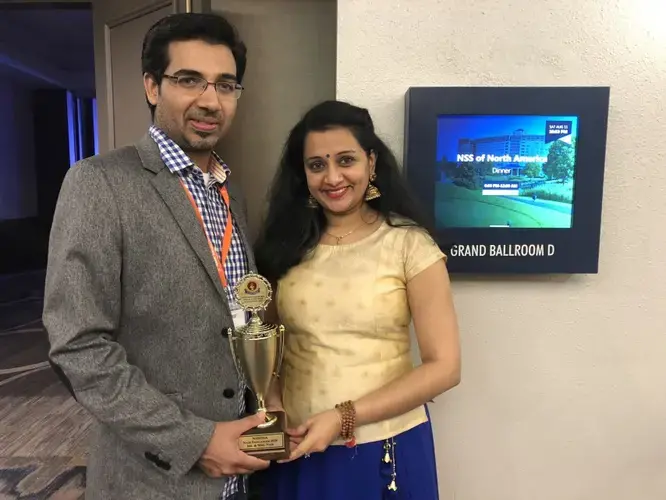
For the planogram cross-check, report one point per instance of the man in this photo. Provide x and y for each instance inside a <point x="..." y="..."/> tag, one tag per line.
<point x="147" y="243"/>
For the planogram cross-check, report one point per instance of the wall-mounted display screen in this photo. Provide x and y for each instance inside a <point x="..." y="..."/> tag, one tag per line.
<point x="505" y="171"/>
<point x="512" y="177"/>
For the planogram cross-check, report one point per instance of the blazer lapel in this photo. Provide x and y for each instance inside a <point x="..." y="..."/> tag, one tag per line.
<point x="174" y="196"/>
<point x="238" y="213"/>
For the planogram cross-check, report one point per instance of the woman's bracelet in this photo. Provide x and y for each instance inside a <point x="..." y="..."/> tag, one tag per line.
<point x="347" y="413"/>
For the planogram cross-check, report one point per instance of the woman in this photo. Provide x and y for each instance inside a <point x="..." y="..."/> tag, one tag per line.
<point x="353" y="266"/>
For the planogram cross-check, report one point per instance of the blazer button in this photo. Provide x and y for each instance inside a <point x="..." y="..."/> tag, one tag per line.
<point x="228" y="393"/>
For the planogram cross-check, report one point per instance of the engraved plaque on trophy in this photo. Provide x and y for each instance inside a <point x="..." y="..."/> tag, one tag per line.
<point x="257" y="349"/>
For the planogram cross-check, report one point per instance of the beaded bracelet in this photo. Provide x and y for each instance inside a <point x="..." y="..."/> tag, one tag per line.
<point x="347" y="413"/>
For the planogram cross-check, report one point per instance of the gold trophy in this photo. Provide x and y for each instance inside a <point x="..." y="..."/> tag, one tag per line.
<point x="257" y="349"/>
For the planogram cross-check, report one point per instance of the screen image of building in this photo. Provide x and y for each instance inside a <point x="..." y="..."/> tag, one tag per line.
<point x="515" y="144"/>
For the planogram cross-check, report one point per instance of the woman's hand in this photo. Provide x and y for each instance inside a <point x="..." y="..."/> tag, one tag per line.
<point x="296" y="436"/>
<point x="316" y="434"/>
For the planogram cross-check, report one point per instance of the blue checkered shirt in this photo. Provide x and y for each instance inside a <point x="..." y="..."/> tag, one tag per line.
<point x="214" y="213"/>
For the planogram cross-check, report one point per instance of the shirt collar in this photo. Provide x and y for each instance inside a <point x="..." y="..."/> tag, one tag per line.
<point x="177" y="160"/>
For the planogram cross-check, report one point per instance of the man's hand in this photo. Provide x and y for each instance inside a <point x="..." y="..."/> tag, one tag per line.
<point x="223" y="457"/>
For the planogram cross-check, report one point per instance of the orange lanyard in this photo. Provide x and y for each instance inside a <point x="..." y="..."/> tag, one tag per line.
<point x="226" y="239"/>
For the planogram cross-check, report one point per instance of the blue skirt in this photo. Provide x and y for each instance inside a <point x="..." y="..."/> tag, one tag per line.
<point x="360" y="473"/>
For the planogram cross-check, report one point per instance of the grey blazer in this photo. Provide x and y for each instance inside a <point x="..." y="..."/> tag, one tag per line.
<point x="135" y="314"/>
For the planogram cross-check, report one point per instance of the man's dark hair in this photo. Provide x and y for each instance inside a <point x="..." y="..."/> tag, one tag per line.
<point x="210" y="28"/>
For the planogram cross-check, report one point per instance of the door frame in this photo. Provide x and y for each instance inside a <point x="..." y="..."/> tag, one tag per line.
<point x="108" y="62"/>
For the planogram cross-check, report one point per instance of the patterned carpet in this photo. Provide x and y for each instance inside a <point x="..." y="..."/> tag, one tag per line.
<point x="42" y="429"/>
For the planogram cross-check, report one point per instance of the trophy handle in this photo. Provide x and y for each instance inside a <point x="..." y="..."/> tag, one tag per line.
<point x="280" y="353"/>
<point x="239" y="368"/>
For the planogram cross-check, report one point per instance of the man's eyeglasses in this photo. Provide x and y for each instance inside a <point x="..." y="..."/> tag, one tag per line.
<point x="197" y="85"/>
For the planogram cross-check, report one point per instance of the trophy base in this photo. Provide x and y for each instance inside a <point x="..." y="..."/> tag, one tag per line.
<point x="270" y="440"/>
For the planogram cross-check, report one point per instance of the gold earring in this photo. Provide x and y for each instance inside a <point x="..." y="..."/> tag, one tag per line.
<point x="372" y="192"/>
<point x="312" y="203"/>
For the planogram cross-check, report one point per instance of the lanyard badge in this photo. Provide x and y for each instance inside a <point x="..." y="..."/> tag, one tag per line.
<point x="220" y="258"/>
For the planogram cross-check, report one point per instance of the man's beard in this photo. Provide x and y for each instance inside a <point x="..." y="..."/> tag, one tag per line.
<point x="188" y="138"/>
<point x="204" y="142"/>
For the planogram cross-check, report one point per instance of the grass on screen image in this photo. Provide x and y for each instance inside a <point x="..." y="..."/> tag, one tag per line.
<point x="457" y="206"/>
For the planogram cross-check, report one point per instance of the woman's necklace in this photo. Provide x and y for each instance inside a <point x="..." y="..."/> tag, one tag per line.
<point x="338" y="239"/>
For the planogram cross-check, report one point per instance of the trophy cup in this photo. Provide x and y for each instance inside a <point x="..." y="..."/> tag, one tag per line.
<point x="257" y="350"/>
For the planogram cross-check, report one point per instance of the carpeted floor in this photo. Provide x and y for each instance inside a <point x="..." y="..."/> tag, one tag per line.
<point x="43" y="430"/>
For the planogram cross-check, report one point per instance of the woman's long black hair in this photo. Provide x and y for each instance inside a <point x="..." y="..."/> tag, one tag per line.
<point x="291" y="229"/>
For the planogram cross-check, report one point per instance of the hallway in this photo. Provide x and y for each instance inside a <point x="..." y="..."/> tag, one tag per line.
<point x="42" y="429"/>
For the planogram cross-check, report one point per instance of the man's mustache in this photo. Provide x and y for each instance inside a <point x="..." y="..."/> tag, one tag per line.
<point x="207" y="118"/>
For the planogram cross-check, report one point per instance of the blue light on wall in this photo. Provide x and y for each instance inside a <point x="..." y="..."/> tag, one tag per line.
<point x="71" y="128"/>
<point x="82" y="124"/>
<point x="95" y="125"/>
<point x="79" y="128"/>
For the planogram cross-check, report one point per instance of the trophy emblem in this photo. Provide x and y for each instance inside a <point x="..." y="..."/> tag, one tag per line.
<point x="257" y="350"/>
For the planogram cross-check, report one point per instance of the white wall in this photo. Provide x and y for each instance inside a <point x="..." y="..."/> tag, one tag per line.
<point x="291" y="66"/>
<point x="564" y="380"/>
<point x="18" y="190"/>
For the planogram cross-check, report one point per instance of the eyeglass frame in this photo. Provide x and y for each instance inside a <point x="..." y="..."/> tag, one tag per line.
<point x="238" y="88"/>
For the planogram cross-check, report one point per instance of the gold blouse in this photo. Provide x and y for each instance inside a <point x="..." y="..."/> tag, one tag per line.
<point x="347" y="320"/>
